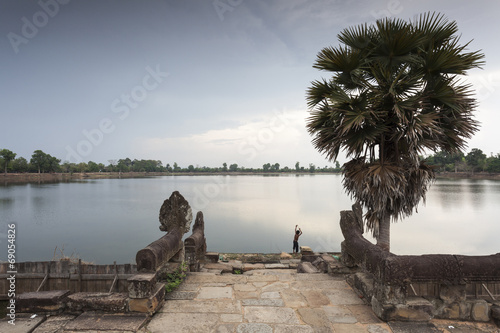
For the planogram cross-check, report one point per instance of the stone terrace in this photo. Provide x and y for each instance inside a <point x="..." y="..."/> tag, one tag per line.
<point x="275" y="300"/>
<point x="268" y="300"/>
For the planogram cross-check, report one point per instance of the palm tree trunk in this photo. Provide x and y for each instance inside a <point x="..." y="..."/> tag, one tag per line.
<point x="384" y="233"/>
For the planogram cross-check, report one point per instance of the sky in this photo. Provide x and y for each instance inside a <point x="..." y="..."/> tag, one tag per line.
<point x="194" y="82"/>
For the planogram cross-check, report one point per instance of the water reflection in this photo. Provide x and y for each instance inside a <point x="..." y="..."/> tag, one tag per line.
<point x="5" y="202"/>
<point x="476" y="192"/>
<point x="448" y="192"/>
<point x="111" y="219"/>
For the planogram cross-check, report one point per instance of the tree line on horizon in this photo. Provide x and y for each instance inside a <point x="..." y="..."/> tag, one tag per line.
<point x="40" y="162"/>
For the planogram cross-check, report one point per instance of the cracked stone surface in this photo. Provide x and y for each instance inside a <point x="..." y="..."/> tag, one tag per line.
<point x="268" y="300"/>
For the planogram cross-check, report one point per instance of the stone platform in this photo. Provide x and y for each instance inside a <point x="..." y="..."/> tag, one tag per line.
<point x="263" y="300"/>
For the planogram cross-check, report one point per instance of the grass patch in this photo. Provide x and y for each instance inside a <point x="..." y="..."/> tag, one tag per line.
<point x="174" y="279"/>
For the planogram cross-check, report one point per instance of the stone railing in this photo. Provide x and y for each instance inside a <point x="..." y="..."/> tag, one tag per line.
<point x="166" y="254"/>
<point x="158" y="253"/>
<point x="55" y="287"/>
<point x="196" y="245"/>
<point x="396" y="285"/>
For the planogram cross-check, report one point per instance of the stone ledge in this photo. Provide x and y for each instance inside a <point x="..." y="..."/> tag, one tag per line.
<point x="150" y="304"/>
<point x="277" y="266"/>
<point x="107" y="322"/>
<point x="236" y="264"/>
<point x="224" y="267"/>
<point x="212" y="257"/>
<point x="307" y="267"/>
<point x="310" y="257"/>
<point x="23" y="324"/>
<point x="249" y="267"/>
<point x="42" y="301"/>
<point x="415" y="309"/>
<point x="495" y="314"/>
<point x="480" y="310"/>
<point x="455" y="311"/>
<point x="363" y="283"/>
<point x="141" y="285"/>
<point x="107" y="302"/>
<point x="306" y="250"/>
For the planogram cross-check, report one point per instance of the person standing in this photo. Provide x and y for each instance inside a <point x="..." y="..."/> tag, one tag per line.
<point x="296" y="239"/>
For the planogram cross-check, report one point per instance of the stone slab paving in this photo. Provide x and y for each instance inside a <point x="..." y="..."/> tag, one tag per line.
<point x="89" y="321"/>
<point x="259" y="301"/>
<point x="22" y="325"/>
<point x="270" y="300"/>
<point x="54" y="324"/>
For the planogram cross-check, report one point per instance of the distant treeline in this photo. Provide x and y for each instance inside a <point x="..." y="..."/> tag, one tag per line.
<point x="40" y="162"/>
<point x="474" y="161"/>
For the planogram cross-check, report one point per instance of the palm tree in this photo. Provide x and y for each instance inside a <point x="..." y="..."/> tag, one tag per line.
<point x="395" y="92"/>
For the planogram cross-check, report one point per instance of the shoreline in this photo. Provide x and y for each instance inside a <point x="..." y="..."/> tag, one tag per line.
<point x="24" y="178"/>
<point x="21" y="178"/>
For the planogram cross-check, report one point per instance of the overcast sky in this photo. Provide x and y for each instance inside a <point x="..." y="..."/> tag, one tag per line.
<point x="191" y="81"/>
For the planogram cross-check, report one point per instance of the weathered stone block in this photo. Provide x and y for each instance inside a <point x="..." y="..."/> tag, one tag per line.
<point x="480" y="310"/>
<point x="310" y="257"/>
<point x="225" y="268"/>
<point x="452" y="293"/>
<point x="388" y="294"/>
<point x="151" y="304"/>
<point x="320" y="265"/>
<point x="465" y="310"/>
<point x="87" y="301"/>
<point x="141" y="285"/>
<point x="452" y="311"/>
<point x="249" y="267"/>
<point x="495" y="314"/>
<point x="328" y="258"/>
<point x="105" y="322"/>
<point x="305" y="250"/>
<point x="415" y="309"/>
<point x="457" y="311"/>
<point x="42" y="301"/>
<point x="421" y="308"/>
<point x="382" y="311"/>
<point x="212" y="257"/>
<point x="337" y="268"/>
<point x="236" y="264"/>
<point x="363" y="282"/>
<point x="277" y="266"/>
<point x="306" y="267"/>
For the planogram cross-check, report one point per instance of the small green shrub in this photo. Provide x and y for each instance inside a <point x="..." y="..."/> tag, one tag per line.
<point x="237" y="271"/>
<point x="174" y="279"/>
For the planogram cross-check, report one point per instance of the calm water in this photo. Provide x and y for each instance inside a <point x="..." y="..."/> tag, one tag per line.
<point x="111" y="219"/>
